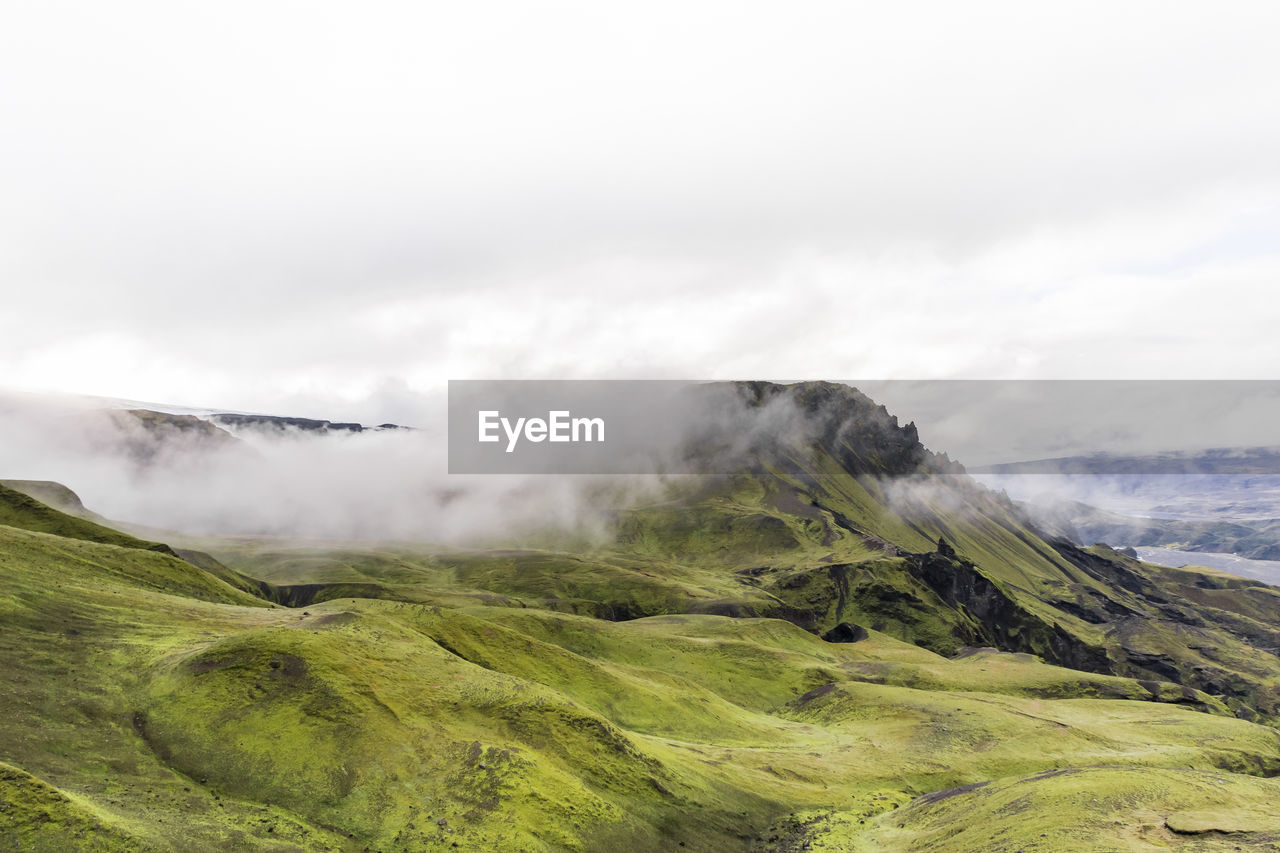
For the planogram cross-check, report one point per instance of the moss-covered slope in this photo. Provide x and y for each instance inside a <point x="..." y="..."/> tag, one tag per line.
<point x="668" y="687"/>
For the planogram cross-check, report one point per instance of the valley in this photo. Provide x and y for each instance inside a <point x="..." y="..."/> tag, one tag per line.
<point x="846" y="645"/>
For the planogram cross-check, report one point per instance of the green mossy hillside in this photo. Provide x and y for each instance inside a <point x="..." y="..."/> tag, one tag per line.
<point x="37" y="817"/>
<point x="847" y="645"/>
<point x="18" y="509"/>
<point x="178" y="723"/>
<point x="1121" y="809"/>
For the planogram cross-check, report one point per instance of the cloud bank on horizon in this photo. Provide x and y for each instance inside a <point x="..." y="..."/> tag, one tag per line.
<point x="321" y="210"/>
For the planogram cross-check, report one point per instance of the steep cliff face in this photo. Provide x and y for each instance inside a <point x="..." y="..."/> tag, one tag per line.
<point x="1001" y="620"/>
<point x="858" y="433"/>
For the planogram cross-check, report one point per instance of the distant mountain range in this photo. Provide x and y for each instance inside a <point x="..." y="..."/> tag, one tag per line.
<point x="1223" y="461"/>
<point x="239" y="421"/>
<point x="1224" y="500"/>
<point x="1086" y="524"/>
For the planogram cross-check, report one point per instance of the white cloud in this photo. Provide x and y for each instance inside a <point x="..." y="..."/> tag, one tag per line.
<point x="265" y="206"/>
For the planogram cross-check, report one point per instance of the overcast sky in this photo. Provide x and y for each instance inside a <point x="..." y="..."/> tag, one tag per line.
<point x="330" y="209"/>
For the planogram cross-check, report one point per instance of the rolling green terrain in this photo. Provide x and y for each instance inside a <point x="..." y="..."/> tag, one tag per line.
<point x="846" y="646"/>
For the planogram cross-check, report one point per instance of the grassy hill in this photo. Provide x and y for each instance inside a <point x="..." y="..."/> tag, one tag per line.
<point x="19" y="509"/>
<point x="669" y="688"/>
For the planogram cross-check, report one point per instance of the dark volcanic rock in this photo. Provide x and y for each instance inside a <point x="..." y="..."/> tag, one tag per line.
<point x="1003" y="622"/>
<point x="304" y="424"/>
<point x="846" y="633"/>
<point x="858" y="432"/>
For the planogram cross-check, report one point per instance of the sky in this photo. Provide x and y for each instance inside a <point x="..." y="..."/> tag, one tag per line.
<point x="330" y="209"/>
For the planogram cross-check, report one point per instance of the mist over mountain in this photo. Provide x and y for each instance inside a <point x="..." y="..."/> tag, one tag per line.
<point x="1222" y="501"/>
<point x="249" y="474"/>
<point x="241" y="474"/>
